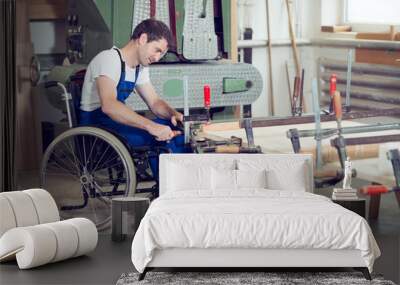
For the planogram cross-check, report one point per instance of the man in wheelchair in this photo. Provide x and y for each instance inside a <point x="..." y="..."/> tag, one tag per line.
<point x="110" y="79"/>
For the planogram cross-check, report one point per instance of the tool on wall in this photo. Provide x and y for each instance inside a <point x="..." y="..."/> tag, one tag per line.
<point x="340" y="142"/>
<point x="333" y="85"/>
<point x="297" y="100"/>
<point x="332" y="90"/>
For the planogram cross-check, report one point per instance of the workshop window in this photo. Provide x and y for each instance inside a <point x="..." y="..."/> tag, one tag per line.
<point x="372" y="12"/>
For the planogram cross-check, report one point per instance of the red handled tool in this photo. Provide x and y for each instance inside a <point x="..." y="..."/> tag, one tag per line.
<point x="332" y="90"/>
<point x="207" y="103"/>
<point x="337" y="108"/>
<point x="337" y="105"/>
<point x="378" y="189"/>
<point x="207" y="99"/>
<point x="375" y="191"/>
<point x="207" y="96"/>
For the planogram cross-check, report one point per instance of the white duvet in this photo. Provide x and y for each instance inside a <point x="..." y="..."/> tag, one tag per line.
<point x="252" y="218"/>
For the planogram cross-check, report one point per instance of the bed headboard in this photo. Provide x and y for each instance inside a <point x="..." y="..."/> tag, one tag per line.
<point x="285" y="161"/>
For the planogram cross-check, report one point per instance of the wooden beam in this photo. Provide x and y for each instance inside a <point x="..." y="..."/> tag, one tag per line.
<point x="335" y="29"/>
<point x="379" y="56"/>
<point x="48" y="9"/>
<point x="225" y="126"/>
<point x="234" y="31"/>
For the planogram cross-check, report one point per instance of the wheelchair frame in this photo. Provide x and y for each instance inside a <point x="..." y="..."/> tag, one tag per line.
<point x="132" y="165"/>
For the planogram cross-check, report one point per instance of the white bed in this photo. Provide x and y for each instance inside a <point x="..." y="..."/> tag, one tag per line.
<point x="258" y="210"/>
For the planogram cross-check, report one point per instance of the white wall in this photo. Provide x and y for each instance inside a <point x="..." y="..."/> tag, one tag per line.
<point x="307" y="26"/>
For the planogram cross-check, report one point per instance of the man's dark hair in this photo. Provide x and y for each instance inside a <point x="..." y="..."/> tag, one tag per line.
<point x="155" y="30"/>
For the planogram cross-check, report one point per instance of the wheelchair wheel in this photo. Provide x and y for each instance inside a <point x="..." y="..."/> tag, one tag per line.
<point x="83" y="169"/>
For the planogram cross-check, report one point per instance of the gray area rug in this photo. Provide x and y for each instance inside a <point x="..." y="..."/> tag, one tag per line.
<point x="243" y="278"/>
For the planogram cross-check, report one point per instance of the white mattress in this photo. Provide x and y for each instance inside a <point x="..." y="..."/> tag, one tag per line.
<point x="252" y="218"/>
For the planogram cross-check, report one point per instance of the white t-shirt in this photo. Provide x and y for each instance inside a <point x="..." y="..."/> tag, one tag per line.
<point x="107" y="63"/>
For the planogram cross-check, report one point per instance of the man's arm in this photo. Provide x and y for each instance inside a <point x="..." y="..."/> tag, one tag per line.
<point x="120" y="113"/>
<point x="158" y="106"/>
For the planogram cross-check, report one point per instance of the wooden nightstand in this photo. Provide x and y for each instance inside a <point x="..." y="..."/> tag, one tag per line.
<point x="357" y="206"/>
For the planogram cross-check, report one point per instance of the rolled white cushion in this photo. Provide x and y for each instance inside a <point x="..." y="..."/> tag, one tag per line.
<point x="45" y="205"/>
<point x="23" y="208"/>
<point x="33" y="246"/>
<point x="7" y="218"/>
<point x="87" y="235"/>
<point x="66" y="238"/>
<point x="37" y="245"/>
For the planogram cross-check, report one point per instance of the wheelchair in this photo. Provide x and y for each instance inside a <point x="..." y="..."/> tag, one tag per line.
<point x="86" y="166"/>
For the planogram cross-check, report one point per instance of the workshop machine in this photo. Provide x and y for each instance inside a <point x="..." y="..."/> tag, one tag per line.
<point x="202" y="32"/>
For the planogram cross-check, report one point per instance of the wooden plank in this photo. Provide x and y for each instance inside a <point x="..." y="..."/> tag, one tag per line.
<point x="355" y="152"/>
<point x="335" y="29"/>
<point x="225" y="126"/>
<point x="48" y="9"/>
<point x="386" y="57"/>
<point x="378" y="57"/>
<point x="379" y="36"/>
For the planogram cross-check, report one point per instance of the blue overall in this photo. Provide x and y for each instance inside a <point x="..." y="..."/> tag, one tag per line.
<point x="136" y="137"/>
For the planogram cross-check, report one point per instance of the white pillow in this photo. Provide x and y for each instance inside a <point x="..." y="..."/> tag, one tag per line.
<point x="280" y="180"/>
<point x="223" y="179"/>
<point x="251" y="178"/>
<point x="283" y="173"/>
<point x="188" y="177"/>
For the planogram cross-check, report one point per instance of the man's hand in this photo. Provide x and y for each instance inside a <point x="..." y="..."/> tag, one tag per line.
<point x="162" y="133"/>
<point x="177" y="117"/>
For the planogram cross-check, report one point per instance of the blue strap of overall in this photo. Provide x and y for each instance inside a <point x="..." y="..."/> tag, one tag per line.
<point x="125" y="88"/>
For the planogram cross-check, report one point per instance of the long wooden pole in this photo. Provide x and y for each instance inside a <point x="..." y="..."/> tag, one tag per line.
<point x="293" y="40"/>
<point x="297" y="81"/>
<point x="271" y="87"/>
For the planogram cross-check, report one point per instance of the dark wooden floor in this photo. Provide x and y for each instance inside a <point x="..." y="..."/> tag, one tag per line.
<point x="102" y="266"/>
